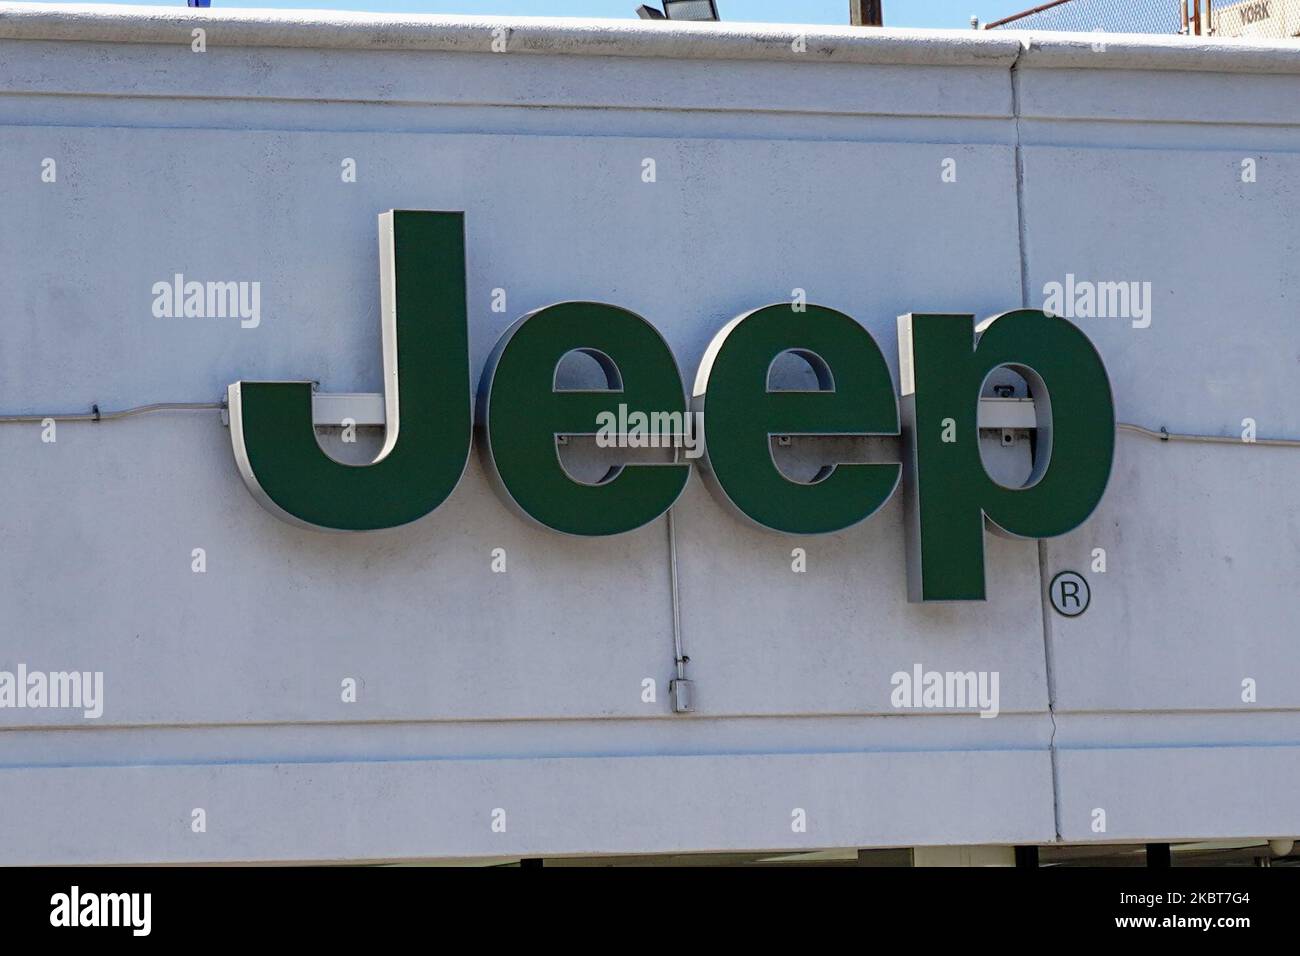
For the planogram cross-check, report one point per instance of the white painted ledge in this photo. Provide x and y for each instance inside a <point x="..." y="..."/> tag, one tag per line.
<point x="568" y="36"/>
<point x="1173" y="794"/>
<point x="318" y="29"/>
<point x="554" y="806"/>
<point x="1091" y="51"/>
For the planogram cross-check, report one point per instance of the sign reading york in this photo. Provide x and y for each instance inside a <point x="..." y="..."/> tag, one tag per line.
<point x="944" y="362"/>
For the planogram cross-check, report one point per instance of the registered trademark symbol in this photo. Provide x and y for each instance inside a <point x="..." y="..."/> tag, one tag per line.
<point x="1070" y="593"/>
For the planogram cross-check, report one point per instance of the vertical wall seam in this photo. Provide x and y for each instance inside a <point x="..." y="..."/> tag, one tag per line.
<point x="1020" y="181"/>
<point x="1051" y="681"/>
<point x="1022" y="243"/>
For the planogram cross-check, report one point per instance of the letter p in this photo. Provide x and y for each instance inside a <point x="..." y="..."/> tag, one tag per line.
<point x="943" y="365"/>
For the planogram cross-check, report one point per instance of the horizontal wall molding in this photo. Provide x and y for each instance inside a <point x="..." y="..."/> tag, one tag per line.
<point x="592" y="37"/>
<point x="549" y="807"/>
<point x="567" y="36"/>
<point x="484" y="82"/>
<point x="1172" y="794"/>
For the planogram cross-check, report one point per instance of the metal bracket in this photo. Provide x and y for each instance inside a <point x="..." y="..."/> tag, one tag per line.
<point x="1007" y="413"/>
<point x="363" y="408"/>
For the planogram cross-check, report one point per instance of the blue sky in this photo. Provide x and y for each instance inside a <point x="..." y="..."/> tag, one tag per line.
<point x="899" y="13"/>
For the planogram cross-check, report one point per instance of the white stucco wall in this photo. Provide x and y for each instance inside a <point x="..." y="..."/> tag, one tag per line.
<point x="522" y="691"/>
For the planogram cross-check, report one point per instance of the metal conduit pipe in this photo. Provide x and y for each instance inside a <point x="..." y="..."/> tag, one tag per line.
<point x="1165" y="435"/>
<point x="95" y="415"/>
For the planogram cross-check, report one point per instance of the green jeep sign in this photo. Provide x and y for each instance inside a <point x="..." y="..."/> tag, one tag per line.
<point x="944" y="363"/>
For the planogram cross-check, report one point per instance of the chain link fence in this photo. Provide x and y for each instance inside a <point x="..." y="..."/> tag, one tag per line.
<point x="1111" y="16"/>
<point x="1259" y="19"/>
